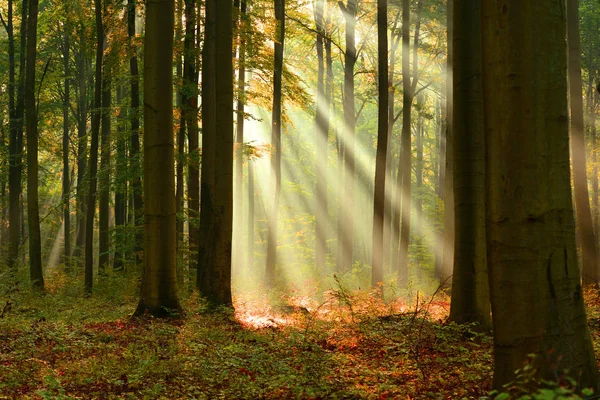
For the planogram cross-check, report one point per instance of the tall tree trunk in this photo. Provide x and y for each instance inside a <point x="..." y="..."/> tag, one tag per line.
<point x="82" y="145"/>
<point x="239" y="154"/>
<point x="66" y="183"/>
<point x="276" y="143"/>
<point x="382" y="144"/>
<point x="134" y="152"/>
<point x="447" y="262"/>
<point x="389" y="236"/>
<point x="189" y="101"/>
<point x="403" y="185"/>
<point x="16" y="135"/>
<point x="585" y="227"/>
<point x="180" y="158"/>
<point x="33" y="213"/>
<point x="103" y="210"/>
<point x="216" y="284"/>
<point x="93" y="167"/>
<point x="419" y="164"/>
<point x="209" y="137"/>
<point x="120" y="183"/>
<point x="537" y="300"/>
<point x="470" y="291"/>
<point x="346" y="224"/>
<point x="322" y="133"/>
<point x="159" y="277"/>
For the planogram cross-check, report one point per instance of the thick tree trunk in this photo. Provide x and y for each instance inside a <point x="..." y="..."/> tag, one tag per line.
<point x="159" y="277"/>
<point x="470" y="292"/>
<point x="93" y="167"/>
<point x="537" y="300"/>
<point x="216" y="284"/>
<point x="382" y="145"/>
<point x="276" y="143"/>
<point x="33" y="214"/>
<point x="585" y="227"/>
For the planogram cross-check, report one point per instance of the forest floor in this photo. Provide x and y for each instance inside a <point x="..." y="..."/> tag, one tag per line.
<point x="347" y="346"/>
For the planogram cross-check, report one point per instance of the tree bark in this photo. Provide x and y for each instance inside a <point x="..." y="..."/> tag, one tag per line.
<point x="470" y="292"/>
<point x="216" y="282"/>
<point x="585" y="227"/>
<point x="134" y="152"/>
<point x="66" y="183"/>
<point x="33" y="214"/>
<point x="536" y="294"/>
<point x="16" y="136"/>
<point x="382" y="144"/>
<point x="104" y="182"/>
<point x="120" y="184"/>
<point x="276" y="143"/>
<point x="345" y="254"/>
<point x="93" y="167"/>
<point x="159" y="277"/>
<point x="189" y="101"/>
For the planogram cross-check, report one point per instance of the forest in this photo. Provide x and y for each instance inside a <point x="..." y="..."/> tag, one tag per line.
<point x="299" y="199"/>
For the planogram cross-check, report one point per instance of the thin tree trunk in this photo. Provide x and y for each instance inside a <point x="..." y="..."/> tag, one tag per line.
<point x="66" y="183"/>
<point x="16" y="137"/>
<point x="134" y="152"/>
<point x="190" y="114"/>
<point x="209" y="137"/>
<point x="322" y="131"/>
<point x="103" y="210"/>
<point x="382" y="144"/>
<point x="345" y="255"/>
<point x="180" y="158"/>
<point x="81" y="150"/>
<point x="447" y="264"/>
<point x="120" y="184"/>
<point x="585" y="227"/>
<point x="251" y="193"/>
<point x="93" y="167"/>
<point x="239" y="162"/>
<point x="33" y="215"/>
<point x="276" y="143"/>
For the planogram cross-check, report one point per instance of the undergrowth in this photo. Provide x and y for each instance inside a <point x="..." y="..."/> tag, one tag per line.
<point x="347" y="345"/>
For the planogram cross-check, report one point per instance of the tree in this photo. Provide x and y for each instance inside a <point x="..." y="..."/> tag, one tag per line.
<point x="216" y="277"/>
<point x="535" y="287"/>
<point x="93" y="166"/>
<point x="382" y="144"/>
<point x="585" y="226"/>
<point x="189" y="99"/>
<point x="15" y="132"/>
<point x="159" y="277"/>
<point x="66" y="183"/>
<point x="33" y="211"/>
<point x="470" y="294"/>
<point x="276" y="141"/>
<point x="134" y="152"/>
<point x="346" y="219"/>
